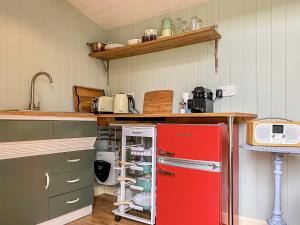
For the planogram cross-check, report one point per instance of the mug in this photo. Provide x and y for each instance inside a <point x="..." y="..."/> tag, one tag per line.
<point x="134" y="41"/>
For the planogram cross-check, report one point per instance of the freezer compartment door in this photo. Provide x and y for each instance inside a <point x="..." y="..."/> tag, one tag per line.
<point x="187" y="196"/>
<point x="195" y="142"/>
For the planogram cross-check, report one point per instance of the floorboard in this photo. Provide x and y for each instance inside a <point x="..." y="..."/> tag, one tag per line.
<point x="102" y="214"/>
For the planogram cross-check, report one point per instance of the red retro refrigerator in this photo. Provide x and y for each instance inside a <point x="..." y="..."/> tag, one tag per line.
<point x="192" y="174"/>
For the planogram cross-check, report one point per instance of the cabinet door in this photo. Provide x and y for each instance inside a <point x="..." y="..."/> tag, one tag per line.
<point x="23" y="196"/>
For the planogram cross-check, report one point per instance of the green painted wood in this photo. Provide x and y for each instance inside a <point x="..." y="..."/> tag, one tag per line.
<point x="74" y="129"/>
<point x="62" y="162"/>
<point x="23" y="197"/>
<point x="25" y="130"/>
<point x="58" y="205"/>
<point x="68" y="182"/>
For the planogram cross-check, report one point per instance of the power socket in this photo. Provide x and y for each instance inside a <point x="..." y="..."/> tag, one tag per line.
<point x="227" y="91"/>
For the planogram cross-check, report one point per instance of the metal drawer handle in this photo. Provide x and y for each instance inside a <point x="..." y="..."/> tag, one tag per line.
<point x="167" y="173"/>
<point x="47" y="181"/>
<point x="165" y="153"/>
<point x="137" y="132"/>
<point x="74" y="201"/>
<point x="73" y="160"/>
<point x="73" y="181"/>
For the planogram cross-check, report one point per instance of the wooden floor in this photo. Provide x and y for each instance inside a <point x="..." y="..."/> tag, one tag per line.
<point x="102" y="214"/>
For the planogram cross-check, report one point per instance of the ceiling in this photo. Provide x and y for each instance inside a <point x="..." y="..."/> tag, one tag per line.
<point x="109" y="14"/>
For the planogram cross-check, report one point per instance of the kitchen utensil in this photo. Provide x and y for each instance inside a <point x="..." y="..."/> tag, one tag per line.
<point x="120" y="103"/>
<point x="147" y="167"/>
<point x="144" y="200"/>
<point x="94" y="105"/>
<point x="145" y="182"/>
<point x="131" y="104"/>
<point x="195" y="23"/>
<point x="160" y="101"/>
<point x="202" y="100"/>
<point x="150" y="31"/>
<point x="166" y="32"/>
<point x="96" y="46"/>
<point x="113" y="45"/>
<point x="149" y="35"/>
<point x="185" y="96"/>
<point x="105" y="104"/>
<point x="82" y="97"/>
<point x="134" y="41"/>
<point x="167" y="24"/>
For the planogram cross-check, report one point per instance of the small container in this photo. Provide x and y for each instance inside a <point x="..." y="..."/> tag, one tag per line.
<point x="167" y="24"/>
<point x="195" y="23"/>
<point x="166" y="32"/>
<point x="182" y="107"/>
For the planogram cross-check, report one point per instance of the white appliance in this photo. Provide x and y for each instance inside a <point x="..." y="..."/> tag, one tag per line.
<point x="105" y="104"/>
<point x="104" y="168"/>
<point x="121" y="103"/>
<point x="266" y="132"/>
<point x="139" y="179"/>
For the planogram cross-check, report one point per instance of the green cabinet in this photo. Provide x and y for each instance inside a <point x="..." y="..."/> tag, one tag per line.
<point x="31" y="194"/>
<point x="25" y="130"/>
<point x="29" y="130"/>
<point x="74" y="129"/>
<point x="23" y="193"/>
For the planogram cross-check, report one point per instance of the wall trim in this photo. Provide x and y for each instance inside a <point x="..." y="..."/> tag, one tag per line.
<point x="69" y="217"/>
<point x="250" y="221"/>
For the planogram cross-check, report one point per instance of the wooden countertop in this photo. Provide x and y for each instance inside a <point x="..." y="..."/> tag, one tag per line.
<point x="40" y="115"/>
<point x="105" y="119"/>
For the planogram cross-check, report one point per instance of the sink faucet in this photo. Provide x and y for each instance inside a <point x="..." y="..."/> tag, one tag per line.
<point x="32" y="105"/>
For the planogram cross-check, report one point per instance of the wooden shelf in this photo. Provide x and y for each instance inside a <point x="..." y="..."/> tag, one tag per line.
<point x="180" y="40"/>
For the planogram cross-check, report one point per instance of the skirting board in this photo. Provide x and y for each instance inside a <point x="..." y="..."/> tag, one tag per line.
<point x="250" y="221"/>
<point x="100" y="189"/>
<point x="69" y="217"/>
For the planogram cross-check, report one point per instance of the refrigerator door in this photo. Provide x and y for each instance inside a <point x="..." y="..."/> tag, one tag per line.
<point x="195" y="142"/>
<point x="187" y="196"/>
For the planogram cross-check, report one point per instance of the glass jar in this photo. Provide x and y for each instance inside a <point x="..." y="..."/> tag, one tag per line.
<point x="195" y="23"/>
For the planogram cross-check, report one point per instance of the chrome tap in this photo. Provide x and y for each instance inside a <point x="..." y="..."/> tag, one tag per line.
<point x="32" y="105"/>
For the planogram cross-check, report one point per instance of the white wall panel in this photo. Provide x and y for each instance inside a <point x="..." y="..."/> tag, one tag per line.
<point x="259" y="55"/>
<point x="45" y="35"/>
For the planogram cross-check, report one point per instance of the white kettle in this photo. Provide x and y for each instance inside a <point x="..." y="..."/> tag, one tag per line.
<point x="120" y="103"/>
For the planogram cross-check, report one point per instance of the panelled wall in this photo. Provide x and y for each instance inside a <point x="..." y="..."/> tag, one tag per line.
<point x="45" y="35"/>
<point x="258" y="54"/>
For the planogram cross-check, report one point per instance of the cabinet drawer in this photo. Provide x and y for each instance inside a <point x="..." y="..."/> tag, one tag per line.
<point x="25" y="130"/>
<point x="67" y="182"/>
<point x="69" y="202"/>
<point x="74" y="129"/>
<point x="138" y="131"/>
<point x="71" y="161"/>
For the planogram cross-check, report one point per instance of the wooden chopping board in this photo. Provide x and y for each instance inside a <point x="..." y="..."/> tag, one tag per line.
<point x="160" y="101"/>
<point x="82" y="97"/>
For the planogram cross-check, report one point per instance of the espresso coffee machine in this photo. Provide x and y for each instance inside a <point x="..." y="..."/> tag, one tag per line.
<point x="202" y="101"/>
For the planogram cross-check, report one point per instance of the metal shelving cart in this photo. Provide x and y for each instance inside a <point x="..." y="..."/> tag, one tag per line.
<point x="135" y="195"/>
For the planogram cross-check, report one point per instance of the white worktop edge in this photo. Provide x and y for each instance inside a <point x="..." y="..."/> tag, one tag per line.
<point x="23" y="117"/>
<point x="11" y="150"/>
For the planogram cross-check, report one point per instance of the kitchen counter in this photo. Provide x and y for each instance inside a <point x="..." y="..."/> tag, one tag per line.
<point x="40" y="115"/>
<point x="106" y="119"/>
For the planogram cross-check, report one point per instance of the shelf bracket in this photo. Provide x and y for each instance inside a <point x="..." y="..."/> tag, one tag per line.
<point x="216" y="56"/>
<point x="106" y="67"/>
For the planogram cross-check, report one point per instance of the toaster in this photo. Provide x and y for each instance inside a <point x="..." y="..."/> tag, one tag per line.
<point x="105" y="104"/>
